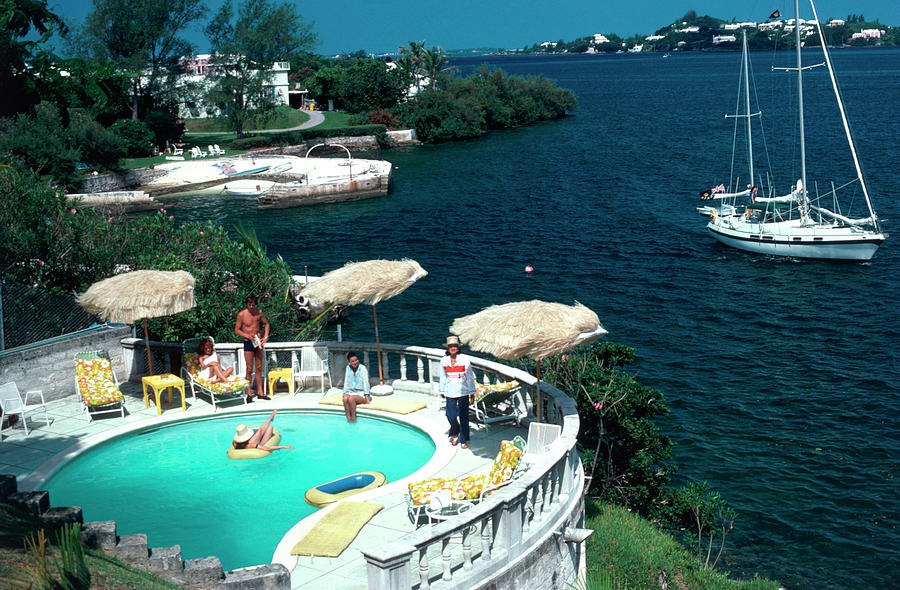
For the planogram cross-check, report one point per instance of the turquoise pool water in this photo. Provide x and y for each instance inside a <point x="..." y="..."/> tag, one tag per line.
<point x="176" y="485"/>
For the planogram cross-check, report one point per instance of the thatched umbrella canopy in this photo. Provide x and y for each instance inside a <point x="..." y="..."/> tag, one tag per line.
<point x="138" y="295"/>
<point x="369" y="282"/>
<point x="534" y="329"/>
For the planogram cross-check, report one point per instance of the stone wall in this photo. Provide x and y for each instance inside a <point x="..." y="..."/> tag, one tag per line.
<point x="51" y="368"/>
<point x="105" y="183"/>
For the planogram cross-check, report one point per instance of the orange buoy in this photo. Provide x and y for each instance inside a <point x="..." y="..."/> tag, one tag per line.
<point x="529" y="268"/>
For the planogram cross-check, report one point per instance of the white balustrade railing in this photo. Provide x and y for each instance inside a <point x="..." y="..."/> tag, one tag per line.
<point x="501" y="530"/>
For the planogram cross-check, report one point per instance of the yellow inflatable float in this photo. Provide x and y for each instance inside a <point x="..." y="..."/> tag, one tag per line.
<point x="327" y="493"/>
<point x="254" y="453"/>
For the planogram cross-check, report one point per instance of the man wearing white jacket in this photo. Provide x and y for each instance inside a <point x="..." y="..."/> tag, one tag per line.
<point x="457" y="384"/>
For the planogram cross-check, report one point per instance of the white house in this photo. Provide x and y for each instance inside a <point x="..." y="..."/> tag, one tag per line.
<point x="867" y="34"/>
<point x="198" y="70"/>
<point x="598" y="39"/>
<point x="654" y="37"/>
<point x="723" y="39"/>
<point x="688" y="30"/>
<point x="836" y="22"/>
<point x="736" y="26"/>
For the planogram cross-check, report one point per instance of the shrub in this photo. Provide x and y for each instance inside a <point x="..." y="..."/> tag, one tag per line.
<point x="440" y="116"/>
<point x="252" y="141"/>
<point x="381" y="117"/>
<point x="136" y="137"/>
<point x="39" y="143"/>
<point x="165" y="127"/>
<point x="624" y="450"/>
<point x="97" y="144"/>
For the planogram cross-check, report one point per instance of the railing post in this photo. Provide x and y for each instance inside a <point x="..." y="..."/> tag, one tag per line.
<point x="388" y="566"/>
<point x="402" y="367"/>
<point x="420" y="369"/>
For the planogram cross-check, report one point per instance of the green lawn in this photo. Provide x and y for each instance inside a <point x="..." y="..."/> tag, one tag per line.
<point x="284" y="118"/>
<point x="335" y="119"/>
<point x="626" y="552"/>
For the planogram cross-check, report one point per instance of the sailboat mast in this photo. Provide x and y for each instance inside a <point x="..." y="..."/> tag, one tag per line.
<point x="747" y="106"/>
<point x="803" y="193"/>
<point x="837" y="94"/>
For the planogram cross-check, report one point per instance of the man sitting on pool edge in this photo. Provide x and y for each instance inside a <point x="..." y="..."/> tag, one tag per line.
<point x="256" y="438"/>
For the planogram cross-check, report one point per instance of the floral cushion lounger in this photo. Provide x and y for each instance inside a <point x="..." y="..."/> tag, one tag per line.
<point x="217" y="391"/>
<point x="473" y="488"/>
<point x="97" y="385"/>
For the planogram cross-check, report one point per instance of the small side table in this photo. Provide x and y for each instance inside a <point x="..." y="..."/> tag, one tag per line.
<point x="285" y="373"/>
<point x="455" y="508"/>
<point x="158" y="383"/>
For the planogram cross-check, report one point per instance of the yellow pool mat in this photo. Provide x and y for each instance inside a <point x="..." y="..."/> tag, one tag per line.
<point x="336" y="530"/>
<point x="397" y="406"/>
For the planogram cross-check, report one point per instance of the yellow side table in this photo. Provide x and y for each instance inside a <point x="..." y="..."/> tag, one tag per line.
<point x="158" y="383"/>
<point x="284" y="373"/>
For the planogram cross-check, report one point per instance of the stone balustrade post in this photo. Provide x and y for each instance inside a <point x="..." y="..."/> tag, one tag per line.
<point x="388" y="566"/>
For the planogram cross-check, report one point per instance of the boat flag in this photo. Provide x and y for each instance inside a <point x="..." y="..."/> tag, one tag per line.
<point x="718" y="189"/>
<point x="775" y="14"/>
<point x="753" y="192"/>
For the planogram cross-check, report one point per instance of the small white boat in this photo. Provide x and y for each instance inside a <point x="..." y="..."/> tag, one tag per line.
<point x="245" y="189"/>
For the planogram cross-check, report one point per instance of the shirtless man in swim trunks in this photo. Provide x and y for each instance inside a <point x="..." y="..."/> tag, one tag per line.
<point x="247" y="326"/>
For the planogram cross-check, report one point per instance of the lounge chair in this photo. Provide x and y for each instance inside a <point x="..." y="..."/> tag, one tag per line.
<point x="233" y="389"/>
<point x="540" y="438"/>
<point x="11" y="402"/>
<point x="214" y="150"/>
<point x="97" y="384"/>
<point x="219" y="151"/>
<point x="475" y="488"/>
<point x="499" y="402"/>
<point x="177" y="151"/>
<point x="196" y="152"/>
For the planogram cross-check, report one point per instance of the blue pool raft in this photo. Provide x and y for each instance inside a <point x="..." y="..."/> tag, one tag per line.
<point x="327" y="493"/>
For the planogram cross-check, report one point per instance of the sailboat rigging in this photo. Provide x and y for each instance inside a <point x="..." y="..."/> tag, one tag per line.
<point x="793" y="224"/>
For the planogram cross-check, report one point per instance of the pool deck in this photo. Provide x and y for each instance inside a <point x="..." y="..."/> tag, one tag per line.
<point x="23" y="456"/>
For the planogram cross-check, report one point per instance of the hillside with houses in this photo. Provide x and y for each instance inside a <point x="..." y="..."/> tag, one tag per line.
<point x="706" y="33"/>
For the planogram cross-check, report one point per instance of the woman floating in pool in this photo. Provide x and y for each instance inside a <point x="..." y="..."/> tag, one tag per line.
<point x="209" y="363"/>
<point x="356" y="386"/>
<point x="256" y="438"/>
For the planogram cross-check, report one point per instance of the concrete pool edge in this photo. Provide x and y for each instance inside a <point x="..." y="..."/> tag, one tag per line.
<point x="441" y="457"/>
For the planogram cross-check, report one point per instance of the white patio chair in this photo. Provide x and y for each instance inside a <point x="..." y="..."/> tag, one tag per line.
<point x="219" y="151"/>
<point x="12" y="403"/>
<point x="196" y="152"/>
<point x="313" y="363"/>
<point x="177" y="151"/>
<point x="540" y="438"/>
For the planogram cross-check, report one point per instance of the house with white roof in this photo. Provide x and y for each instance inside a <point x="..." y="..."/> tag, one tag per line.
<point x="198" y="70"/>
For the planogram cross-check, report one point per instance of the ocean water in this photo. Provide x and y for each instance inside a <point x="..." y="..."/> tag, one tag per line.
<point x="781" y="374"/>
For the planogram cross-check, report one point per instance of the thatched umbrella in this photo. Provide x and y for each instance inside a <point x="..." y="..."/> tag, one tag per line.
<point x="534" y="329"/>
<point x="369" y="282"/>
<point x="138" y="295"/>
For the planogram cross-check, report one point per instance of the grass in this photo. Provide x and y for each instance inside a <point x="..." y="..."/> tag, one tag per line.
<point x="284" y="117"/>
<point x="107" y="573"/>
<point x="334" y="119"/>
<point x="627" y="553"/>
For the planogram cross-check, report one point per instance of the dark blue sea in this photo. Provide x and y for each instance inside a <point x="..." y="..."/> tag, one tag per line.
<point x="781" y="374"/>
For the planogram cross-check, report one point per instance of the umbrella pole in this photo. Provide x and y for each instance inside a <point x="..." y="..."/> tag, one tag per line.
<point x="147" y="341"/>
<point x="378" y="347"/>
<point x="537" y="412"/>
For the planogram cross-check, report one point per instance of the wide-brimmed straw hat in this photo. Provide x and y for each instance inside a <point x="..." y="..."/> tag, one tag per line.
<point x="242" y="433"/>
<point x="451" y="340"/>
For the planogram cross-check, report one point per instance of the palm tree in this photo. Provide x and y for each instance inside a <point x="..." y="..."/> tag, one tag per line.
<point x="414" y="55"/>
<point x="435" y="63"/>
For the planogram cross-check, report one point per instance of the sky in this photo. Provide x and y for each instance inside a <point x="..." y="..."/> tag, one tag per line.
<point x="380" y="26"/>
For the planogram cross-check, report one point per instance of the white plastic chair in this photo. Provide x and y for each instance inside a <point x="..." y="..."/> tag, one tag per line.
<point x="219" y="151"/>
<point x="177" y="151"/>
<point x="12" y="403"/>
<point x="540" y="438"/>
<point x="313" y="363"/>
<point x="196" y="152"/>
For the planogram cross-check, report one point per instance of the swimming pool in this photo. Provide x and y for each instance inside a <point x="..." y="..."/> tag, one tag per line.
<point x="176" y="484"/>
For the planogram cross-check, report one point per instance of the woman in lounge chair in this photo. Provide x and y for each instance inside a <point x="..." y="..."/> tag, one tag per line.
<point x="256" y="438"/>
<point x="209" y="363"/>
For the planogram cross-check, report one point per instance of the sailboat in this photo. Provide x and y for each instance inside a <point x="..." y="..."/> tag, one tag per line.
<point x="794" y="224"/>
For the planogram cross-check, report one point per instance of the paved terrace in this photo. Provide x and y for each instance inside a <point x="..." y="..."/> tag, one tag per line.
<point x="32" y="458"/>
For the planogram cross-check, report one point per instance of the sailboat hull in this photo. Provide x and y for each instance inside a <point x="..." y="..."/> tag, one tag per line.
<point x="825" y="244"/>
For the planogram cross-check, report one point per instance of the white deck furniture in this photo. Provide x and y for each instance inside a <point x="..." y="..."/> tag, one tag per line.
<point x="313" y="363"/>
<point x="12" y="403"/>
